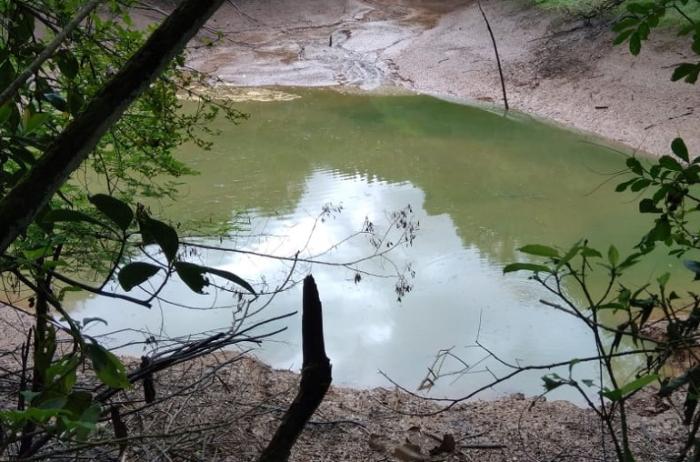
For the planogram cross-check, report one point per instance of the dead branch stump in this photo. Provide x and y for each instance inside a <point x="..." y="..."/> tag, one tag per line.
<point x="315" y="378"/>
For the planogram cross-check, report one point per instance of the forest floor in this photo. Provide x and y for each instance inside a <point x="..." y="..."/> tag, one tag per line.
<point x="226" y="406"/>
<point x="556" y="67"/>
<point x="390" y="425"/>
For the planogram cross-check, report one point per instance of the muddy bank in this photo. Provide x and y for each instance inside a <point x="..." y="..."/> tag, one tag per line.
<point x="381" y="424"/>
<point x="574" y="78"/>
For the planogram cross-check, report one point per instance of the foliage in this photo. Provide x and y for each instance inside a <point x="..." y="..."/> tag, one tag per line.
<point x="89" y="232"/>
<point x="588" y="9"/>
<point x="622" y="316"/>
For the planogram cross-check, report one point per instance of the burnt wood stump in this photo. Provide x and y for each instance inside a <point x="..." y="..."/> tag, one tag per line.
<point x="315" y="378"/>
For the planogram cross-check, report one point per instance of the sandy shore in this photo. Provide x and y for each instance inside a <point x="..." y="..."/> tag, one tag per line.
<point x="387" y="425"/>
<point x="577" y="79"/>
<point x="241" y="401"/>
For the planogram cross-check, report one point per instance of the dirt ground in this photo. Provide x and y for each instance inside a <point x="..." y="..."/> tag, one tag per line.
<point x="388" y="425"/>
<point x="576" y="78"/>
<point x="226" y="406"/>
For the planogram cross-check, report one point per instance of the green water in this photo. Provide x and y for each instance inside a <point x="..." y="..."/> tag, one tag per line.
<point x="501" y="181"/>
<point x="480" y="184"/>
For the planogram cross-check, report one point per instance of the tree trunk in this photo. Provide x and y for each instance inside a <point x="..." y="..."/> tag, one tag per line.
<point x="315" y="379"/>
<point x="22" y="204"/>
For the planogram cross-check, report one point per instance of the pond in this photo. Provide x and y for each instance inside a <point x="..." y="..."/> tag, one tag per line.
<point x="479" y="185"/>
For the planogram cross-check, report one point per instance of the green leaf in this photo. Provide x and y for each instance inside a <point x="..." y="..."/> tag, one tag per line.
<point x="552" y="381"/>
<point x="107" y="367"/>
<point x="526" y="267"/>
<point x="661" y="231"/>
<point x="590" y="253"/>
<point x="88" y="421"/>
<point x="62" y="370"/>
<point x="5" y="113"/>
<point x="67" y="215"/>
<point x="136" y="273"/>
<point x="680" y="149"/>
<point x="643" y="31"/>
<point x="684" y="70"/>
<point x="696" y="44"/>
<point x="51" y="401"/>
<point x="78" y="402"/>
<point x="654" y="171"/>
<point x="637" y="8"/>
<point x="692" y="174"/>
<point x="67" y="63"/>
<point x="23" y="26"/>
<point x="661" y="193"/>
<point x="540" y="250"/>
<point x="36" y="121"/>
<point x="648" y="206"/>
<point x="634" y="165"/>
<point x="640" y="184"/>
<point x="670" y="163"/>
<point x="635" y="43"/>
<point x="622" y="36"/>
<point x="629" y="261"/>
<point x="692" y="76"/>
<point x="193" y="275"/>
<point x="619" y="393"/>
<point x="626" y="23"/>
<point x="75" y="101"/>
<point x="39" y="252"/>
<point x="156" y="232"/>
<point x="114" y="209"/>
<point x="231" y="277"/>
<point x="32" y="414"/>
<point x="613" y="255"/>
<point x="573" y="251"/>
<point x="624" y="185"/>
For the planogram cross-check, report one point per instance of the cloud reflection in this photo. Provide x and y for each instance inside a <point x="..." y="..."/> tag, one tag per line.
<point x="458" y="291"/>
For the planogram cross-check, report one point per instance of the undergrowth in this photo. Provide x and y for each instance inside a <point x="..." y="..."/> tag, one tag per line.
<point x="587" y="7"/>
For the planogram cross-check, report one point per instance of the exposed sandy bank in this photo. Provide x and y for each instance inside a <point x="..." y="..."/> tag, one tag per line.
<point x="242" y="402"/>
<point x="363" y="425"/>
<point x="442" y="47"/>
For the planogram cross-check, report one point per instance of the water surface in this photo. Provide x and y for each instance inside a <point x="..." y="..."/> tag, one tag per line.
<point x="480" y="185"/>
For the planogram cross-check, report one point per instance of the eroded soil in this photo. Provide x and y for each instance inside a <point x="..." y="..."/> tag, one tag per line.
<point x="557" y="68"/>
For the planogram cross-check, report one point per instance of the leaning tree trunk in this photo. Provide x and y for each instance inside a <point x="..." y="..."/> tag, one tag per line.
<point x="315" y="378"/>
<point x="22" y="204"/>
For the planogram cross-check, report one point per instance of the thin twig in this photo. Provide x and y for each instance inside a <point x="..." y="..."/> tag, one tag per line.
<point x="498" y="58"/>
